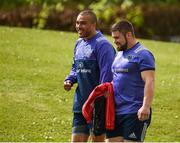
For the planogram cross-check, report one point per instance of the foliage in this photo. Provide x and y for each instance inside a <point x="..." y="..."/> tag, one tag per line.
<point x="41" y="20"/>
<point x="108" y="12"/>
<point x="157" y="2"/>
<point x="10" y="4"/>
<point x="165" y="19"/>
<point x="33" y="104"/>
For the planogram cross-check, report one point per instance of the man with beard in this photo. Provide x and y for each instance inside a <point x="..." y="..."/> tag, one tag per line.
<point x="133" y="82"/>
<point x="93" y="57"/>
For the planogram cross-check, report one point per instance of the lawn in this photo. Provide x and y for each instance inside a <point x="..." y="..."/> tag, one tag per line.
<point x="33" y="104"/>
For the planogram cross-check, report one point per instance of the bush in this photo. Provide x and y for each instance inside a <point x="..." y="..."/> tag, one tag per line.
<point x="150" y="21"/>
<point x="162" y="21"/>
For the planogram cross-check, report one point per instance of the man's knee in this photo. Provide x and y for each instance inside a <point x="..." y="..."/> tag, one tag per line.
<point x="115" y="139"/>
<point x="100" y="138"/>
<point x="79" y="138"/>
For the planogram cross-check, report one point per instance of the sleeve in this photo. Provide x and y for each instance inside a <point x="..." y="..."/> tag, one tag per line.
<point x="146" y="61"/>
<point x="73" y="75"/>
<point x="105" y="58"/>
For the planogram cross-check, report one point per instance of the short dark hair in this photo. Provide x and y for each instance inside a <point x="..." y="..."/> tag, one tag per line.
<point x="90" y="13"/>
<point x="123" y="26"/>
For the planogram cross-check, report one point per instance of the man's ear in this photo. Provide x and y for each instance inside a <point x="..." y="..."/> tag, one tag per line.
<point x="129" y="34"/>
<point x="95" y="25"/>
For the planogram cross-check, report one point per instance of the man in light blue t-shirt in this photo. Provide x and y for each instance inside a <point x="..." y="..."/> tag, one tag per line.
<point x="133" y="80"/>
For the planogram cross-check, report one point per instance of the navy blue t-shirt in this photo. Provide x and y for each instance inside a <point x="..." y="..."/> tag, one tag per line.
<point x="93" y="59"/>
<point x="127" y="82"/>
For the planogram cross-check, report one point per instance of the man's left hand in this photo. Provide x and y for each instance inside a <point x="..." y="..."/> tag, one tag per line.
<point x="143" y="113"/>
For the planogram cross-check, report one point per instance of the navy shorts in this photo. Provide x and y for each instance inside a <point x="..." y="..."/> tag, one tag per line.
<point x="80" y="125"/>
<point x="129" y="127"/>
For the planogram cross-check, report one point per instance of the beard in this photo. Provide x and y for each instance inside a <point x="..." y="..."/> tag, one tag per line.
<point x="84" y="33"/>
<point x="123" y="47"/>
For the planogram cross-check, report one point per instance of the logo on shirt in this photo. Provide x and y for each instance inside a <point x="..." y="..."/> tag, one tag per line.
<point x="133" y="136"/>
<point x="80" y="65"/>
<point x="130" y="57"/>
<point x="119" y="70"/>
<point x="81" y="69"/>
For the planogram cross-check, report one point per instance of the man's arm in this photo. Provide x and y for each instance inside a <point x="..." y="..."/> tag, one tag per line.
<point x="105" y="57"/>
<point x="70" y="79"/>
<point x="149" y="79"/>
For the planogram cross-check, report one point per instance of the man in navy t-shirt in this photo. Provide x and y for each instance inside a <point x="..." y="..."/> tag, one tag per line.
<point x="93" y="57"/>
<point x="133" y="81"/>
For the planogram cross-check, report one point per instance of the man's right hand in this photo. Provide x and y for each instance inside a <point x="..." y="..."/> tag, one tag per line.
<point x="67" y="85"/>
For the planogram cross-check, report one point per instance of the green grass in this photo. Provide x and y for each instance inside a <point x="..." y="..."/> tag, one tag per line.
<point x="33" y="105"/>
<point x="166" y="110"/>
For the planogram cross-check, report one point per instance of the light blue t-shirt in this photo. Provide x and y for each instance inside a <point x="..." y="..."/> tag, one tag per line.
<point x="127" y="81"/>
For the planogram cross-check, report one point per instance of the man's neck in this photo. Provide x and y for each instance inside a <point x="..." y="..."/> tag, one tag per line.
<point x="90" y="36"/>
<point x="132" y="43"/>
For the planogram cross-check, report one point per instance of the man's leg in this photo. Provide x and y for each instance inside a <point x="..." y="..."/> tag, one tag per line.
<point x="80" y="130"/>
<point x="116" y="135"/>
<point x="79" y="138"/>
<point x="100" y="138"/>
<point x="134" y="129"/>
<point x="115" y="139"/>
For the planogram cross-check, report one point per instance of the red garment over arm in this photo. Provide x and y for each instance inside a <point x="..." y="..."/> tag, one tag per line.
<point x="101" y="90"/>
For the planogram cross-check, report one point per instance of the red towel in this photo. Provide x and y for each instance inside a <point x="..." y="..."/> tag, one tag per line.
<point x="105" y="89"/>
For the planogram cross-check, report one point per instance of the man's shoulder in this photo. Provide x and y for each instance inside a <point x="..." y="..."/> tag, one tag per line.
<point x="101" y="39"/>
<point x="78" y="41"/>
<point x="143" y="52"/>
<point x="102" y="43"/>
<point x="140" y="48"/>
